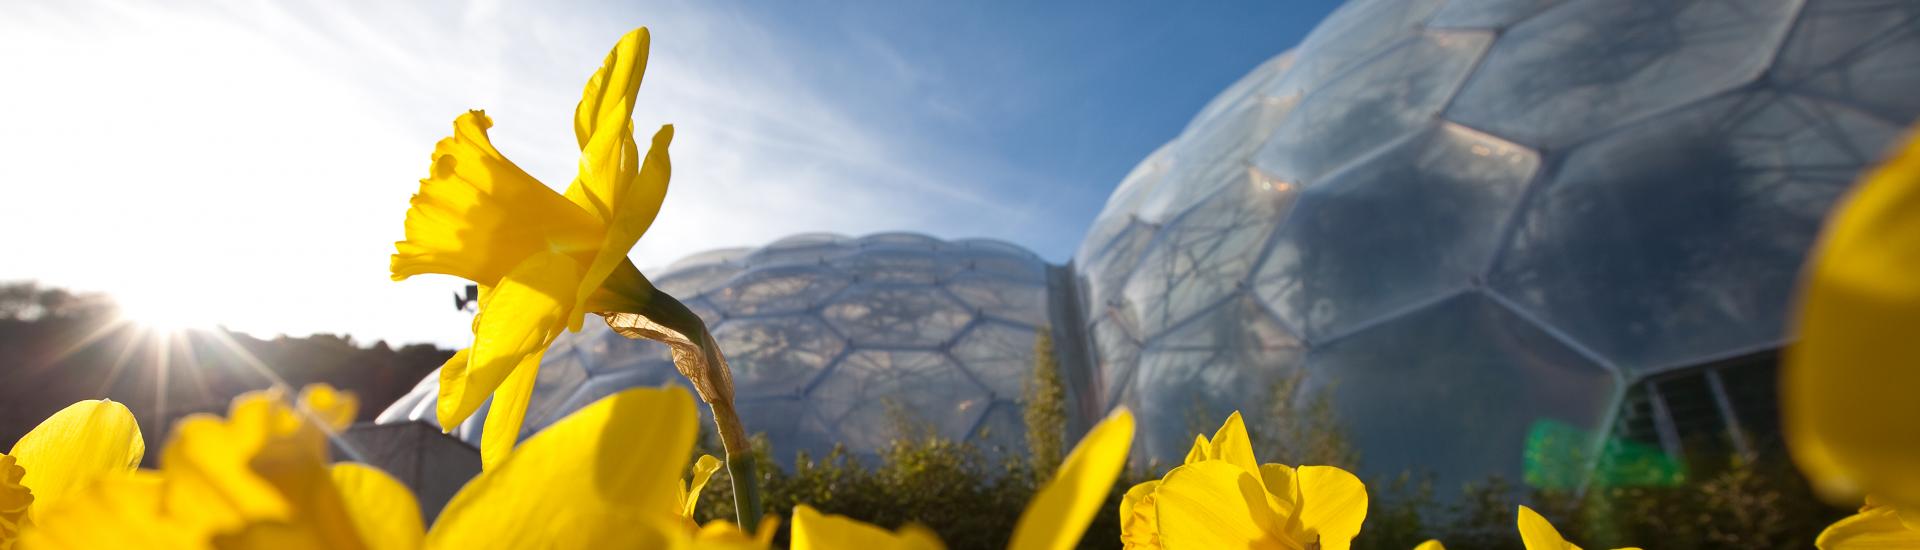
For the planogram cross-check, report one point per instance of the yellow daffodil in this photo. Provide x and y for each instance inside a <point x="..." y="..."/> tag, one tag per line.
<point x="1054" y="520"/>
<point x="244" y="479"/>
<point x="813" y="530"/>
<point x="1221" y="497"/>
<point x="14" y="500"/>
<point x="1538" y="534"/>
<point x="82" y="444"/>
<point x="543" y="259"/>
<point x="605" y="476"/>
<point x="1846" y="385"/>
<point x="1430" y="545"/>
<point x="1876" y="526"/>
<point x="702" y="472"/>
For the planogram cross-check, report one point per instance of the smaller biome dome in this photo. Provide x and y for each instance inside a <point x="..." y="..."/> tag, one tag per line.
<point x="831" y="340"/>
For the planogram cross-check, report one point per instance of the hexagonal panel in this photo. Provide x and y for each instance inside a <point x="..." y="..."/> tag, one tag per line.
<point x="599" y="350"/>
<point x="1354" y="33"/>
<point x="778" y="290"/>
<point x="1116" y="353"/>
<point x="1680" y="239"/>
<point x="868" y="389"/>
<point x="894" y="315"/>
<point x="1334" y="263"/>
<point x="816" y="256"/>
<point x="1206" y="254"/>
<point x="704" y="309"/>
<point x="1214" y="155"/>
<point x="1250" y="88"/>
<point x="1002" y="299"/>
<point x="1107" y="270"/>
<point x="1225" y="360"/>
<point x="999" y="355"/>
<point x="1455" y="389"/>
<point x="994" y="264"/>
<point x="1858" y="52"/>
<point x="1123" y="207"/>
<point x="710" y="257"/>
<point x="900" y="239"/>
<point x="601" y="385"/>
<point x="997" y="246"/>
<point x="808" y="240"/>
<point x="889" y="265"/>
<point x="1589" y="66"/>
<point x="693" y="281"/>
<point x="791" y="427"/>
<point x="773" y="356"/>
<point x="1391" y="96"/>
<point x="1486" y="14"/>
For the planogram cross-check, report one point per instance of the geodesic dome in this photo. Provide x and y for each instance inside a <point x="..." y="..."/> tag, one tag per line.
<point x="830" y="339"/>
<point x="1466" y="217"/>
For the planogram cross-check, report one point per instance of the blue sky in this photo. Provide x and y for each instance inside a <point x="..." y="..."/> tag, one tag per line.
<point x="248" y="163"/>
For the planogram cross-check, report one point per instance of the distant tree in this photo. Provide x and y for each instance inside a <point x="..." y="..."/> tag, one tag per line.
<point x="1299" y="426"/>
<point x="1046" y="408"/>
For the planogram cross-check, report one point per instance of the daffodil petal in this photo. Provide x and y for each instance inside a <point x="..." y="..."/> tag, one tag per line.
<point x="1538" y="534"/>
<point x="384" y="512"/>
<point x="813" y="530"/>
<point x="703" y="469"/>
<point x="520" y="317"/>
<point x="257" y="478"/>
<point x="1215" y="504"/>
<point x="508" y="411"/>
<point x="477" y="215"/>
<point x="14" y="501"/>
<point x="1874" y="528"/>
<point x="1139" y="520"/>
<point x="1232" y="445"/>
<point x="331" y="407"/>
<point x="82" y="444"/>
<point x="637" y="204"/>
<point x="607" y="102"/>
<point x="1846" y="384"/>
<point x="1333" y="504"/>
<point x="1060" y="511"/>
<point x="724" y="535"/>
<point x="1283" y="484"/>
<point x="1430" y="545"/>
<point x="1199" y="450"/>
<point x="582" y="477"/>
<point x="129" y="505"/>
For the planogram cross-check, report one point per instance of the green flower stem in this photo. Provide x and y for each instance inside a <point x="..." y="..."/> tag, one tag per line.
<point x="740" y="465"/>
<point x="635" y="309"/>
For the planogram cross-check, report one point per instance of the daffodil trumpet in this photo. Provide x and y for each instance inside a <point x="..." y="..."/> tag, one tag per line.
<point x="543" y="260"/>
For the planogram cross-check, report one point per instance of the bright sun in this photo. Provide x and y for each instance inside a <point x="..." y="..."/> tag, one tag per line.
<point x="159" y="312"/>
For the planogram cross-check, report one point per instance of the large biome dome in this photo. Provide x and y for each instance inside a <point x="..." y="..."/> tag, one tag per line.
<point x="1466" y="218"/>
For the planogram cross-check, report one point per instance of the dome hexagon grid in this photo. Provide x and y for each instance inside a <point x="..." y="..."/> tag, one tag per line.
<point x="1463" y="217"/>
<point x="831" y="339"/>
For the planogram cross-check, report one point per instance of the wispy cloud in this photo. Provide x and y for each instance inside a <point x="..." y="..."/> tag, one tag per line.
<point x="252" y="160"/>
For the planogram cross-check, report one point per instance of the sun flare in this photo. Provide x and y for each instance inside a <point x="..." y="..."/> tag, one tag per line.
<point x="157" y="313"/>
